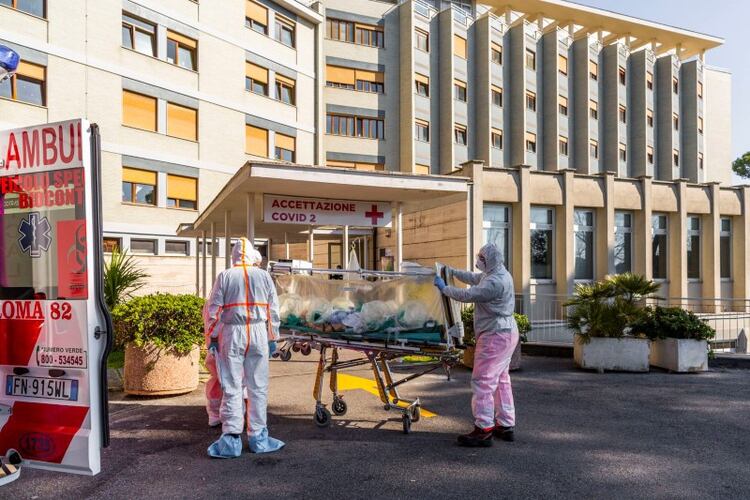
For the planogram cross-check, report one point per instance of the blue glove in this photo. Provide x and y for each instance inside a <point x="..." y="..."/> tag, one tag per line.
<point x="271" y="348"/>
<point x="440" y="283"/>
<point x="213" y="346"/>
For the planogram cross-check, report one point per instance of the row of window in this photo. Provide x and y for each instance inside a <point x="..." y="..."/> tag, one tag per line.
<point x="256" y="18"/>
<point x="27" y="85"/>
<point x="355" y="79"/>
<point x="355" y="126"/>
<point x="140" y="187"/>
<point x="542" y="225"/>
<point x="257" y="144"/>
<point x="148" y="246"/>
<point x="359" y="33"/>
<point x="257" y="81"/>
<point x="142" y="112"/>
<point x="140" y="35"/>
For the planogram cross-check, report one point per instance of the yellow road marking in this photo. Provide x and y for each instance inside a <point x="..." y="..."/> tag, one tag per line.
<point x="352" y="382"/>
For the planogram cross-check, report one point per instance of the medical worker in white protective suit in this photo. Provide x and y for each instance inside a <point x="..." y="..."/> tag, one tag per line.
<point x="243" y="315"/>
<point x="496" y="338"/>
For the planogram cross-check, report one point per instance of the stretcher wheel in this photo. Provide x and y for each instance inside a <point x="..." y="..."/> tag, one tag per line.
<point x="305" y="349"/>
<point x="322" y="417"/>
<point x="286" y="355"/>
<point x="295" y="347"/>
<point x="406" y="420"/>
<point x="416" y="413"/>
<point x="339" y="406"/>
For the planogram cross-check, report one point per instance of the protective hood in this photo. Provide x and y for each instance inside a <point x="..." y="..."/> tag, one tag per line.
<point x="493" y="258"/>
<point x="243" y="254"/>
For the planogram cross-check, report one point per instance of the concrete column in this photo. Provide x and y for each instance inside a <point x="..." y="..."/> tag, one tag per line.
<point x="642" y="232"/>
<point x="711" y="260"/>
<point x="250" y="230"/>
<point x="677" y="244"/>
<point x="475" y="210"/>
<point x="445" y="85"/>
<point x="197" y="266"/>
<point x="741" y="250"/>
<point x="345" y="248"/>
<point x="161" y="42"/>
<point x="564" y="239"/>
<point x="161" y="116"/>
<point x="521" y="240"/>
<point x="406" y="88"/>
<point x="204" y="288"/>
<point x="311" y="244"/>
<point x="320" y="114"/>
<point x="480" y="94"/>
<point x="605" y="229"/>
<point x="227" y="239"/>
<point x="397" y="221"/>
<point x="214" y="251"/>
<point x="286" y="246"/>
<point x="161" y="189"/>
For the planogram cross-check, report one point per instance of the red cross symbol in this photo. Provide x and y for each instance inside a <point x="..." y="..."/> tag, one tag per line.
<point x="374" y="215"/>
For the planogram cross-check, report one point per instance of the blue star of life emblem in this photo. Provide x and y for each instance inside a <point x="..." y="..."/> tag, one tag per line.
<point x="35" y="234"/>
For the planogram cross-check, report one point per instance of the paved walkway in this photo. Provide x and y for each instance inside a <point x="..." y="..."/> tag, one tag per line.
<point x="579" y="435"/>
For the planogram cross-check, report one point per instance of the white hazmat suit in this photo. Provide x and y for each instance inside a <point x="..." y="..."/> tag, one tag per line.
<point x="243" y="317"/>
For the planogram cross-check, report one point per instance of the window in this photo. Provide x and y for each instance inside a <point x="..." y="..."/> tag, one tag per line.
<point x="143" y="247"/>
<point x="285" y="147"/>
<point x="340" y="30"/>
<point x="459" y="133"/>
<point x="497" y="53"/>
<point x="530" y="59"/>
<point x="285" y="89"/>
<point x="422" y="40"/>
<point x="182" y="192"/>
<point x="370" y="128"/>
<point x="138" y="111"/>
<point x="176" y="247"/>
<point x="562" y="64"/>
<point x="256" y="141"/>
<point x="33" y="7"/>
<point x="459" y="90"/>
<point x="676" y="121"/>
<point x="256" y="79"/>
<point x="368" y="35"/>
<point x="594" y="149"/>
<point x="725" y="248"/>
<point x="351" y="126"/>
<point x="700" y="161"/>
<point x="675" y="85"/>
<point x="209" y="247"/>
<point x="422" y="84"/>
<point x="370" y="167"/>
<point x="650" y="117"/>
<point x="562" y="144"/>
<point x="593" y="70"/>
<point x="700" y="90"/>
<point x="110" y="244"/>
<point x="650" y="80"/>
<point x="623" y="254"/>
<point x="422" y="130"/>
<point x="621" y="75"/>
<point x="459" y="47"/>
<point x="700" y="124"/>
<point x="530" y="142"/>
<point x="541" y="242"/>
<point x="284" y="30"/>
<point x="676" y="158"/>
<point x="182" y="51"/>
<point x="497" y="96"/>
<point x="27" y="85"/>
<point x="650" y="154"/>
<point x="138" y="35"/>
<point x="343" y="78"/>
<point x="562" y="105"/>
<point x="594" y="110"/>
<point x="659" y="246"/>
<point x="623" y="113"/>
<point x="138" y="186"/>
<point x="623" y="151"/>
<point x="182" y="122"/>
<point x="583" y="228"/>
<point x="369" y="81"/>
<point x="256" y="17"/>
<point x="497" y="139"/>
<point x="694" y="248"/>
<point x="496" y="228"/>
<point x="530" y="100"/>
<point x="340" y="125"/>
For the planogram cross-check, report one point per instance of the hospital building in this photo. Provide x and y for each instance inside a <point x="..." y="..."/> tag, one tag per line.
<point x="585" y="142"/>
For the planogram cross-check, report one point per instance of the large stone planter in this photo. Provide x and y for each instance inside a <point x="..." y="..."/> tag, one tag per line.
<point x="151" y="371"/>
<point x="468" y="357"/>
<point x="626" y="354"/>
<point x="680" y="355"/>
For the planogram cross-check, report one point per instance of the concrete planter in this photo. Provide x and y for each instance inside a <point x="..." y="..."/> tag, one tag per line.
<point x="626" y="354"/>
<point x="151" y="371"/>
<point x="680" y="355"/>
<point x="515" y="362"/>
<point x="468" y="357"/>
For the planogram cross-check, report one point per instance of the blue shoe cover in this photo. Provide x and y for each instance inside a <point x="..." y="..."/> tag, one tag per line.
<point x="227" y="446"/>
<point x="263" y="443"/>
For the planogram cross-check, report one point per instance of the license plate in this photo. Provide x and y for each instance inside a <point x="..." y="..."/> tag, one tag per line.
<point x="42" y="387"/>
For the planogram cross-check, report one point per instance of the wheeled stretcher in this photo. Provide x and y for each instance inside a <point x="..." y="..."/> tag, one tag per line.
<point x="381" y="316"/>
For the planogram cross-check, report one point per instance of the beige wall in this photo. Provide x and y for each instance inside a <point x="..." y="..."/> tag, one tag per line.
<point x="718" y="125"/>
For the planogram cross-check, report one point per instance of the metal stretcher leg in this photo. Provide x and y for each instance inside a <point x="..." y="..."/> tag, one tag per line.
<point x="392" y="390"/>
<point x="339" y="405"/>
<point x="322" y="414"/>
<point x="379" y="380"/>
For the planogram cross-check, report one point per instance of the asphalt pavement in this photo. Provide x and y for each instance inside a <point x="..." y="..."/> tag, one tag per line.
<point x="579" y="435"/>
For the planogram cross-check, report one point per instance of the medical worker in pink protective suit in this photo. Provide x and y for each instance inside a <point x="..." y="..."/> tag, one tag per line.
<point x="496" y="337"/>
<point x="243" y="323"/>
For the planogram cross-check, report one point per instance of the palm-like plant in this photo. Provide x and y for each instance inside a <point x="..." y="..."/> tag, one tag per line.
<point x="122" y="277"/>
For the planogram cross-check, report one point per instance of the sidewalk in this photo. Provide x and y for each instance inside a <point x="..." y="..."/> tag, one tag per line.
<point x="580" y="434"/>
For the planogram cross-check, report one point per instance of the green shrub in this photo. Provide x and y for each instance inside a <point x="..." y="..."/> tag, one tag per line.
<point x="467" y="317"/>
<point x="122" y="277"/>
<point x="172" y="322"/>
<point x="673" y="323"/>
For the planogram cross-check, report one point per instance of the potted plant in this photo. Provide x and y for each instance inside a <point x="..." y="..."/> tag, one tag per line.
<point x="467" y="317"/>
<point x="679" y="339"/>
<point x="601" y="314"/>
<point x="161" y="334"/>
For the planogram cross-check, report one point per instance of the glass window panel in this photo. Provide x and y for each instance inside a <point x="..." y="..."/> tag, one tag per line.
<point x="127" y="40"/>
<point x="584" y="255"/>
<point x="496" y="213"/>
<point x="28" y="90"/>
<point x="144" y="42"/>
<point x="659" y="222"/>
<point x="171" y="51"/>
<point x="498" y="236"/>
<point x="186" y="58"/>
<point x="694" y="256"/>
<point x="143" y="246"/>
<point x="145" y="193"/>
<point x="623" y="253"/>
<point x="659" y="256"/>
<point x="541" y="253"/>
<point x="5" y="89"/>
<point x="35" y="7"/>
<point x="540" y="215"/>
<point x="622" y="219"/>
<point x="127" y="191"/>
<point x="583" y="218"/>
<point x="725" y="256"/>
<point x="176" y="247"/>
<point x="726" y="225"/>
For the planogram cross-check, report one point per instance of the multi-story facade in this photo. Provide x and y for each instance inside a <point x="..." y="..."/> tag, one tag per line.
<point x="593" y="139"/>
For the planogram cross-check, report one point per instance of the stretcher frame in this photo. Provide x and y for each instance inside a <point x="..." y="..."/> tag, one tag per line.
<point x="377" y="355"/>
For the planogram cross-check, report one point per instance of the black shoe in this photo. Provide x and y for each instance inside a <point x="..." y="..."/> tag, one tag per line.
<point x="476" y="438"/>
<point x="504" y="433"/>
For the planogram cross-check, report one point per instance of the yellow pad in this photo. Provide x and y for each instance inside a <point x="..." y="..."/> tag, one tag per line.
<point x="351" y="382"/>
